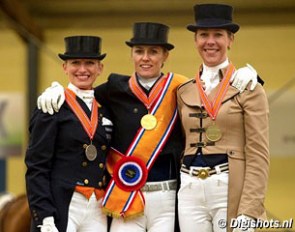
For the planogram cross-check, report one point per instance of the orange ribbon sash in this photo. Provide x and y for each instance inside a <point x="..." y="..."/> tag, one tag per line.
<point x="123" y="196"/>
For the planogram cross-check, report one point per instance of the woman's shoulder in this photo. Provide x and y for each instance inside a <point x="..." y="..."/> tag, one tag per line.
<point x="180" y="78"/>
<point x="116" y="77"/>
<point x="187" y="84"/>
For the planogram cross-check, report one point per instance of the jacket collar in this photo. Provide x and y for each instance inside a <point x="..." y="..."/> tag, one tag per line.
<point x="189" y="92"/>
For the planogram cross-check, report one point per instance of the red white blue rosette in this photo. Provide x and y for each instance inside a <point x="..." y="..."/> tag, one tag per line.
<point x="130" y="173"/>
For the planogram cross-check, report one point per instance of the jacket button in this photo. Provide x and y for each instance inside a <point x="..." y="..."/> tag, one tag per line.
<point x="86" y="181"/>
<point x="100" y="184"/>
<point x="135" y="110"/>
<point x="104" y="180"/>
<point x="103" y="147"/>
<point x="101" y="165"/>
<point x="84" y="164"/>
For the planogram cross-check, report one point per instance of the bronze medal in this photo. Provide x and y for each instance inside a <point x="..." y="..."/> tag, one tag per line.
<point x="148" y="122"/>
<point x="90" y="152"/>
<point x="213" y="133"/>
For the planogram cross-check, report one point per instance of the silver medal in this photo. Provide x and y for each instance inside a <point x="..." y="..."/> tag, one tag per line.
<point x="90" y="152"/>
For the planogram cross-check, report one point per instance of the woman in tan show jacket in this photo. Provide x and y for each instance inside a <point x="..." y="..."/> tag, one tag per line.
<point x="225" y="166"/>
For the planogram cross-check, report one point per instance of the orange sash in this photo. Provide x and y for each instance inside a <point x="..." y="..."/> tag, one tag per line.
<point x="87" y="191"/>
<point x="122" y="199"/>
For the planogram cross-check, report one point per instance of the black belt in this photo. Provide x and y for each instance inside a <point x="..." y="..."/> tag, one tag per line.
<point x="204" y="172"/>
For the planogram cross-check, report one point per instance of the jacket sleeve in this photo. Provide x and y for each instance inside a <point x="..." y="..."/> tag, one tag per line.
<point x="39" y="160"/>
<point x="101" y="93"/>
<point x="256" y="124"/>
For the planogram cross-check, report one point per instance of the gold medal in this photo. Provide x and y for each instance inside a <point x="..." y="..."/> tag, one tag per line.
<point x="213" y="133"/>
<point x="148" y="122"/>
<point x="90" y="152"/>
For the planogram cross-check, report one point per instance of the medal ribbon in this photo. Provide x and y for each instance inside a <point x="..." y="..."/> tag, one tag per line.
<point x="89" y="126"/>
<point x="213" y="107"/>
<point x="141" y="95"/>
<point x="146" y="145"/>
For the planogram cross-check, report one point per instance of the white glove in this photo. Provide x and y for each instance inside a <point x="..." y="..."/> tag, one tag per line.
<point x="243" y="76"/>
<point x="48" y="225"/>
<point x="245" y="224"/>
<point x="51" y="99"/>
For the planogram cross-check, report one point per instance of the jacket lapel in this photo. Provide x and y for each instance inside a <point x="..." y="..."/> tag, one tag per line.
<point x="190" y="95"/>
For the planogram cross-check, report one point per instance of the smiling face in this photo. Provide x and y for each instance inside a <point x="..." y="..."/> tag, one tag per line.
<point x="82" y="72"/>
<point x="148" y="60"/>
<point x="212" y="45"/>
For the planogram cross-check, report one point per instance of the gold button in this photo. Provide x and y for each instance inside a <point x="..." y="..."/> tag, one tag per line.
<point x="84" y="164"/>
<point x="103" y="147"/>
<point x="101" y="165"/>
<point x="135" y="110"/>
<point x="100" y="184"/>
<point x="86" y="181"/>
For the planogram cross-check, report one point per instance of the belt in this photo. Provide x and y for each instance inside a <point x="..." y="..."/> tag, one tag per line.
<point x="204" y="172"/>
<point x="160" y="186"/>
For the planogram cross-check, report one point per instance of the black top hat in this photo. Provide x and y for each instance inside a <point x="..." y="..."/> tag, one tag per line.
<point x="146" y="33"/>
<point x="213" y="16"/>
<point x="79" y="47"/>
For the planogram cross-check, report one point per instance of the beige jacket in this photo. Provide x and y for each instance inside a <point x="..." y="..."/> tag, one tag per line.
<point x="243" y="120"/>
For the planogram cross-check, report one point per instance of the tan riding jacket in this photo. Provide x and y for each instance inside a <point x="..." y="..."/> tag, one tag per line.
<point x="243" y="120"/>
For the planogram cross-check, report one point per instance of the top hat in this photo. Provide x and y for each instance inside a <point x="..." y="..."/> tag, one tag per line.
<point x="146" y="33"/>
<point x="213" y="16"/>
<point x="79" y="47"/>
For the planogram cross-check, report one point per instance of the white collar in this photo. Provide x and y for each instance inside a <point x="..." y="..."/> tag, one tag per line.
<point x="216" y="68"/>
<point x="147" y="83"/>
<point x="210" y="76"/>
<point x="81" y="93"/>
<point x="86" y="95"/>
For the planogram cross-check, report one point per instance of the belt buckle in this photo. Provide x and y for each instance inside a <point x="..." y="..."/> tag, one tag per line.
<point x="203" y="173"/>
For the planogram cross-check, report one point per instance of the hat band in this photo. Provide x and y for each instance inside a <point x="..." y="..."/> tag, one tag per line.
<point x="66" y="56"/>
<point x="146" y="41"/>
<point x="213" y="22"/>
<point x="81" y="54"/>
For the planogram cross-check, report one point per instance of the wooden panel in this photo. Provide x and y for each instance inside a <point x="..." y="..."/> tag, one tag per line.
<point x="20" y="19"/>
